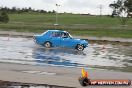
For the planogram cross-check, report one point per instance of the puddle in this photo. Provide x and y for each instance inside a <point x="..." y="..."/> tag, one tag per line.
<point x="25" y="51"/>
<point x="39" y="72"/>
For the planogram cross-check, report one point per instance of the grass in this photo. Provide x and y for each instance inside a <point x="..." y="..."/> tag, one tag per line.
<point x="76" y="24"/>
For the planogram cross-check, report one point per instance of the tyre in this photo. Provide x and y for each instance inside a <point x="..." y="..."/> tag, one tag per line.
<point x="80" y="47"/>
<point x="47" y="44"/>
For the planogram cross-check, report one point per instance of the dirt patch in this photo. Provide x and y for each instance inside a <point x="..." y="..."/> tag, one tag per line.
<point x="7" y="84"/>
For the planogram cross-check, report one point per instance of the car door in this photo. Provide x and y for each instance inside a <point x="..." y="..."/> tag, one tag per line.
<point x="66" y="41"/>
<point x="55" y="39"/>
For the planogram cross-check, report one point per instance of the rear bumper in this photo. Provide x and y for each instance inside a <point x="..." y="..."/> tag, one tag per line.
<point x="34" y="39"/>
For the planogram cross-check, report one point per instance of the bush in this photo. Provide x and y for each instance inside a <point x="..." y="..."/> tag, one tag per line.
<point x="4" y="17"/>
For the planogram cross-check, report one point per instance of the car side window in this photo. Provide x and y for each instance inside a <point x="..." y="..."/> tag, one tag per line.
<point x="56" y="34"/>
<point x="64" y="35"/>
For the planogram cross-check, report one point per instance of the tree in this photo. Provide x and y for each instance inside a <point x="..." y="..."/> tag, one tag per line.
<point x="128" y="4"/>
<point x="4" y="17"/>
<point x="114" y="6"/>
<point x="121" y="9"/>
<point x="14" y="10"/>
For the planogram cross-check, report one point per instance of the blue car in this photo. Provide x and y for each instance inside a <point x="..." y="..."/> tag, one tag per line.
<point x="59" y="38"/>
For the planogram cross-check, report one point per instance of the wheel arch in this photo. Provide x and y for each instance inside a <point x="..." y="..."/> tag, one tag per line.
<point x="80" y="48"/>
<point x="78" y="44"/>
<point x="49" y="42"/>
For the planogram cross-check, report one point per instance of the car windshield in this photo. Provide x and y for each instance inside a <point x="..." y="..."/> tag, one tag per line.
<point x="44" y="33"/>
<point x="70" y="36"/>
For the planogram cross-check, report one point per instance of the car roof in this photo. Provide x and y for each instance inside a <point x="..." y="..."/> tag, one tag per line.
<point x="56" y="31"/>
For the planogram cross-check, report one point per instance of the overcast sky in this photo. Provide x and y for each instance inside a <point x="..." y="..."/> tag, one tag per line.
<point x="73" y="6"/>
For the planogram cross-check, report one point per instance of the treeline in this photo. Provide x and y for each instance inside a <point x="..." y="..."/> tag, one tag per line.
<point x="23" y="10"/>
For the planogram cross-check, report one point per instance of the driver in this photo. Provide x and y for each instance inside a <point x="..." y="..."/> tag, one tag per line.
<point x="64" y="35"/>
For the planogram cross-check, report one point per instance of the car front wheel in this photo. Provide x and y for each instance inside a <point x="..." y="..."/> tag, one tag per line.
<point x="47" y="44"/>
<point x="80" y="47"/>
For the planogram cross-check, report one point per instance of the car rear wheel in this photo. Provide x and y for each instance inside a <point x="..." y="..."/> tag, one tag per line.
<point x="80" y="47"/>
<point x="47" y="44"/>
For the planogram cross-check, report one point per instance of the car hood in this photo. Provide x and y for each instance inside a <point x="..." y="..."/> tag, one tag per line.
<point x="78" y="39"/>
<point x="81" y="40"/>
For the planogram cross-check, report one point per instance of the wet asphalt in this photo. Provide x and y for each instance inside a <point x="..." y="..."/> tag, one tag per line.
<point x="100" y="56"/>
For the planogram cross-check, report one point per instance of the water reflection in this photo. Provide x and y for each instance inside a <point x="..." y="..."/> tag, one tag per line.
<point x="99" y="56"/>
<point x="55" y="56"/>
